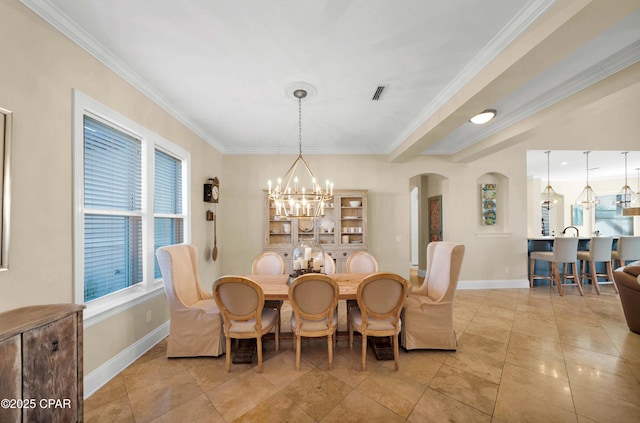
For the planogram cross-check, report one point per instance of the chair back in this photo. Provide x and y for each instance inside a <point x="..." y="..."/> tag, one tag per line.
<point x="239" y="299"/>
<point x="600" y="248"/>
<point x="381" y="296"/>
<point x="629" y="248"/>
<point x="361" y="262"/>
<point x="444" y="261"/>
<point x="268" y="263"/>
<point x="313" y="296"/>
<point x="179" y="267"/>
<point x="329" y="264"/>
<point x="565" y="249"/>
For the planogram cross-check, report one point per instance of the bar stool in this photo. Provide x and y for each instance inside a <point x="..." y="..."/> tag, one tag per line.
<point x="599" y="251"/>
<point x="565" y="251"/>
<point x="628" y="249"/>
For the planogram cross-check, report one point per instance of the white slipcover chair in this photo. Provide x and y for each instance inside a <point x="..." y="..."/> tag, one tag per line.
<point x="195" y="327"/>
<point x="428" y="311"/>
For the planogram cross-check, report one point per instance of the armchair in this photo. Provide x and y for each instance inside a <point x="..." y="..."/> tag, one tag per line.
<point x="427" y="321"/>
<point x="195" y="322"/>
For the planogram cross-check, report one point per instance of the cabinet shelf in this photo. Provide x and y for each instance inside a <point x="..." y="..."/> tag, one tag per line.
<point x="341" y="216"/>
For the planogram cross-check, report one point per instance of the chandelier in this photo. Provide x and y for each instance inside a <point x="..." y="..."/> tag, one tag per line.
<point x="587" y="198"/>
<point x="289" y="196"/>
<point x="549" y="198"/>
<point x="626" y="194"/>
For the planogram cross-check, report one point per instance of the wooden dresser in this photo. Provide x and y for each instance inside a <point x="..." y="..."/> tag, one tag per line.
<point x="41" y="375"/>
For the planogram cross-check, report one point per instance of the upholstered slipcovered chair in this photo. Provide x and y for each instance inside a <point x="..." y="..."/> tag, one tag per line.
<point x="428" y="311"/>
<point x="314" y="299"/>
<point x="270" y="263"/>
<point x="380" y="300"/>
<point x="361" y="262"/>
<point x="565" y="254"/>
<point x="628" y="249"/>
<point x="329" y="264"/>
<point x="241" y="302"/>
<point x="599" y="252"/>
<point x="195" y="327"/>
<point x="627" y="280"/>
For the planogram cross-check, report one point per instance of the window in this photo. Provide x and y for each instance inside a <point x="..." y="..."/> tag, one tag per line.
<point x="130" y="187"/>
<point x="609" y="218"/>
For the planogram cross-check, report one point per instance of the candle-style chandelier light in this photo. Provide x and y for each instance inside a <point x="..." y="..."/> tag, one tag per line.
<point x="289" y="195"/>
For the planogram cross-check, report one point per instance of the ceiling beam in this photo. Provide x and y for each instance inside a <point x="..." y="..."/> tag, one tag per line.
<point x="564" y="27"/>
<point x="619" y="85"/>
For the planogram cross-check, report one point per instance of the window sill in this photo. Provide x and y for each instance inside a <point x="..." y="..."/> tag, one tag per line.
<point x="103" y="310"/>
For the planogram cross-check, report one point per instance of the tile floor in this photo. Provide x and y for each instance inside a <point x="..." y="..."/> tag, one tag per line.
<point x="525" y="355"/>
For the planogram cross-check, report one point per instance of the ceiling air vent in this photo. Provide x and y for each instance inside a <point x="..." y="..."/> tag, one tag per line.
<point x="378" y="93"/>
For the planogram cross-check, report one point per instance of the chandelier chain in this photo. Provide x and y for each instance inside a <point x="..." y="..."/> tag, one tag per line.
<point x="300" y="125"/>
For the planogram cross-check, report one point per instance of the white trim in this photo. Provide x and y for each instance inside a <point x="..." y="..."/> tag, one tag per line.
<point x="109" y="305"/>
<point x="129" y="299"/>
<point x="494" y="284"/>
<point x="107" y="371"/>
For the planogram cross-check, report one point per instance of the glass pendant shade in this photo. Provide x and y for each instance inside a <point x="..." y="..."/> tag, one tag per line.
<point x="626" y="196"/>
<point x="587" y="198"/>
<point x="549" y="198"/>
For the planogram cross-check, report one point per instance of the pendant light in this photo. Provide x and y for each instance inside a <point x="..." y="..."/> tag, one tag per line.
<point x="626" y="194"/>
<point x="549" y="198"/>
<point x="634" y="211"/>
<point x="587" y="198"/>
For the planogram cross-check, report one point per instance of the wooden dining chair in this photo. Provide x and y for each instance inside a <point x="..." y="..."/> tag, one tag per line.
<point x="270" y="263"/>
<point x="380" y="300"/>
<point x="314" y="300"/>
<point x="241" y="302"/>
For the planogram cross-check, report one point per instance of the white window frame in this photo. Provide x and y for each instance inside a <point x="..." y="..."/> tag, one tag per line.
<point x="111" y="304"/>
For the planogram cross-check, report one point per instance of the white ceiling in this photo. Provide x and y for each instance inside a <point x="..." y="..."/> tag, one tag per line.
<point x="224" y="67"/>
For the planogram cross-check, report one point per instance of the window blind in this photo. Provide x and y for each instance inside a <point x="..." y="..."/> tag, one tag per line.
<point x="113" y="202"/>
<point x="168" y="229"/>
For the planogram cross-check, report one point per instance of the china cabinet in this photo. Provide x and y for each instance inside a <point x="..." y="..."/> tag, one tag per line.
<point x="341" y="231"/>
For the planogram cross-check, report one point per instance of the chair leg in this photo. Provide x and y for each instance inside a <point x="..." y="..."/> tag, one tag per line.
<point x="298" y="346"/>
<point x="364" y="351"/>
<point x="576" y="277"/>
<point x="259" y="344"/>
<point x="610" y="275"/>
<point x="556" y="276"/>
<point x="330" y="350"/>
<point x="395" y="350"/>
<point x="228" y="354"/>
<point x="278" y="332"/>
<point x="532" y="265"/>
<point x="594" y="276"/>
<point x="350" y="329"/>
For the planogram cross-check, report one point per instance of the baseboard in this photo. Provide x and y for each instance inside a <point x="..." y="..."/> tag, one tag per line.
<point x="494" y="284"/>
<point x="103" y="374"/>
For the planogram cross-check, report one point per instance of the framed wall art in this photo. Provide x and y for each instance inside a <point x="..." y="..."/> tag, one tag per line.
<point x="5" y="184"/>
<point x="488" y="199"/>
<point x="435" y="218"/>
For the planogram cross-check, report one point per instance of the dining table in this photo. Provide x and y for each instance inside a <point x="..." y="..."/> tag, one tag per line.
<point x="276" y="287"/>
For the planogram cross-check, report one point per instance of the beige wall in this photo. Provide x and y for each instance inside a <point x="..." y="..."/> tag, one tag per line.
<point x="40" y="68"/>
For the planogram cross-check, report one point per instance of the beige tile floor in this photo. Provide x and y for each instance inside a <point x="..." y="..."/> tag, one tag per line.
<point x="525" y="355"/>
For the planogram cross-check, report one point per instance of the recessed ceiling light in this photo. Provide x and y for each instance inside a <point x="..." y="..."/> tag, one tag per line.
<point x="483" y="117"/>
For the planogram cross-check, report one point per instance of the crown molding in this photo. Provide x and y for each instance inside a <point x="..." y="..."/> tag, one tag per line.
<point x="60" y="21"/>
<point x="590" y="76"/>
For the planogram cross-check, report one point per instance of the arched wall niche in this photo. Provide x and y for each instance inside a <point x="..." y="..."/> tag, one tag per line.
<point x="429" y="186"/>
<point x="492" y="205"/>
